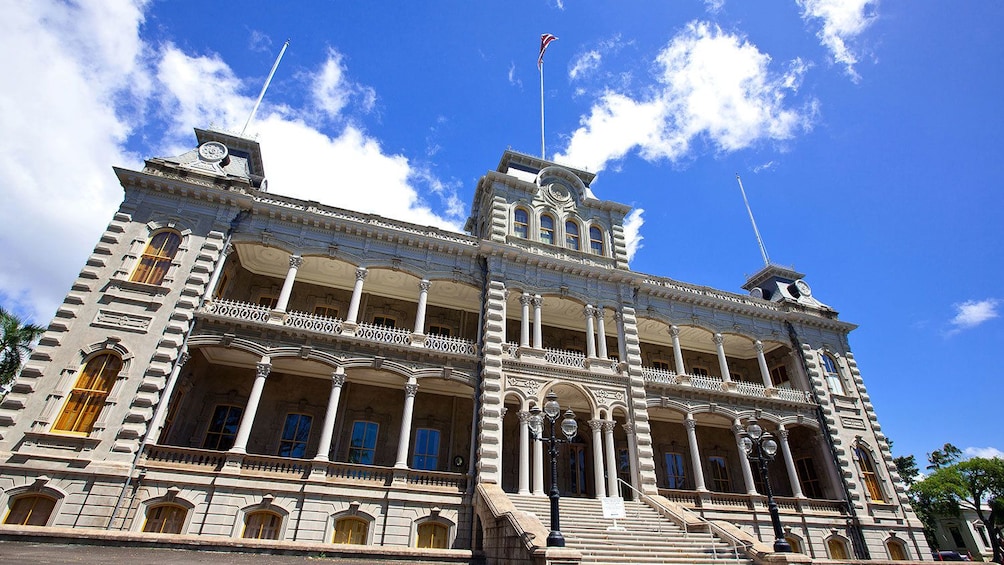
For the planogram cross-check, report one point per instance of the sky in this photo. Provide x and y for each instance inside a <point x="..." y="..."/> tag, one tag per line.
<point x="868" y="136"/>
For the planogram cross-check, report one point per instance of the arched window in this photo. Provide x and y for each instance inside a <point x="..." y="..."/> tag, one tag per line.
<point x="262" y="524"/>
<point x="796" y="545"/>
<point x="30" y="510"/>
<point x="868" y="474"/>
<point x="547" y="229"/>
<point x="896" y="549"/>
<point x="89" y="394"/>
<point x="836" y="548"/>
<point x="165" y="519"/>
<point x="596" y="240"/>
<point x="433" y="535"/>
<point x="351" y="531"/>
<point x="832" y="374"/>
<point x="521" y="223"/>
<point x="572" y="235"/>
<point x="157" y="257"/>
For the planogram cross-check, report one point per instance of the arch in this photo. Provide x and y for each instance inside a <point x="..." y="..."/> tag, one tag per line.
<point x="795" y="541"/>
<point x="521" y="222"/>
<point x="548" y="229"/>
<point x="831" y="372"/>
<point x="264" y="520"/>
<point x="87" y="398"/>
<point x="865" y="457"/>
<point x="351" y="528"/>
<point x="896" y="548"/>
<point x="572" y="238"/>
<point x="433" y="532"/>
<point x="165" y="518"/>
<point x="158" y="254"/>
<point x="837" y="547"/>
<point x="569" y="179"/>
<point x="592" y="406"/>
<point x="597" y="243"/>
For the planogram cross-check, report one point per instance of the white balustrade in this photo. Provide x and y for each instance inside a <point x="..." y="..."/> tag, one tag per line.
<point x="564" y="358"/>
<point x="450" y="344"/>
<point x="751" y="389"/>
<point x="313" y="323"/>
<point x="706" y="382"/>
<point x="239" y="310"/>
<point x="659" y="376"/>
<point x="383" y="334"/>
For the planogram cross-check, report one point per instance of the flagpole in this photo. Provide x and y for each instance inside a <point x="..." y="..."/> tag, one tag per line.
<point x="763" y="250"/>
<point x="543" y="155"/>
<point x="265" y="87"/>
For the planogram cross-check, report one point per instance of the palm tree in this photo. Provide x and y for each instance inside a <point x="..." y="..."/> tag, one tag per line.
<point x="16" y="339"/>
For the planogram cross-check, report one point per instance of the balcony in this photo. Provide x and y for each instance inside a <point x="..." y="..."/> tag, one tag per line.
<point x="727" y="502"/>
<point x="670" y="380"/>
<point x="246" y="313"/>
<point x="189" y="460"/>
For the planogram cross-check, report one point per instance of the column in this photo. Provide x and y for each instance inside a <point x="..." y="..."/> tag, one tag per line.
<point x="357" y="294"/>
<point x="601" y="333"/>
<point x="404" y="440"/>
<point x="524" y="328"/>
<point x="789" y="463"/>
<point x="423" y="299"/>
<point x="251" y="408"/>
<point x="632" y="454"/>
<point x="762" y="361"/>
<point x="695" y="454"/>
<point x="674" y="332"/>
<point x="589" y="312"/>
<point x="287" y="286"/>
<point x="214" y="279"/>
<point x="596" y="426"/>
<point x="537" y="338"/>
<point x="608" y="440"/>
<point x="744" y="462"/>
<point x="621" y="345"/>
<point x="538" y="465"/>
<point x="722" y="363"/>
<point x="157" y="422"/>
<point x="524" y="452"/>
<point x="324" y="446"/>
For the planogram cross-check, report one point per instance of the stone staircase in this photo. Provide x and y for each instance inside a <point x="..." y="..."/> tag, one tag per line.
<point x="647" y="537"/>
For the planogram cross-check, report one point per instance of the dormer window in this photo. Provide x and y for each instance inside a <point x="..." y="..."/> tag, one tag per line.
<point x="572" y="235"/>
<point x="547" y="229"/>
<point x="521" y="223"/>
<point x="596" y="240"/>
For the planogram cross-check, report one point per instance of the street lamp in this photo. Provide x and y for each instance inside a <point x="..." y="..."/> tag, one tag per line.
<point x="568" y="427"/>
<point x="760" y="448"/>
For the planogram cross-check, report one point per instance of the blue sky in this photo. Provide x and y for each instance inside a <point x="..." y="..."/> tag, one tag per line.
<point x="868" y="136"/>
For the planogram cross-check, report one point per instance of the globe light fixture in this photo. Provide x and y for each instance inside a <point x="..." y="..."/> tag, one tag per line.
<point x="760" y="448"/>
<point x="569" y="427"/>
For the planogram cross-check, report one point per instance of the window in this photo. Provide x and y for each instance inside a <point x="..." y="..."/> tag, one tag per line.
<point x="521" y="223"/>
<point x="262" y="525"/>
<point x="157" y="257"/>
<point x="385" y="321"/>
<point x="808" y="478"/>
<point x="796" y="546"/>
<point x="221" y="285"/>
<point x="719" y="474"/>
<point x="868" y="474"/>
<point x="326" y="311"/>
<point x="661" y="365"/>
<point x="596" y="240"/>
<point x="435" y="329"/>
<point x="165" y="519"/>
<point x="699" y="371"/>
<point x="832" y="375"/>
<point x="172" y="415"/>
<point x="426" y="456"/>
<point x="779" y="376"/>
<point x="351" y="531"/>
<point x="897" y="550"/>
<point x="89" y="393"/>
<point x="837" y="548"/>
<point x="547" y="229"/>
<point x="268" y="301"/>
<point x="432" y="535"/>
<point x="362" y="445"/>
<point x="30" y="510"/>
<point x="572" y="235"/>
<point x="957" y="537"/>
<point x="676" y="472"/>
<point x="223" y="428"/>
<point x="295" y="434"/>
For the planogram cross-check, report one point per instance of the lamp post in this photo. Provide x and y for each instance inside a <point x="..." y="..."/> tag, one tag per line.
<point x="760" y="449"/>
<point x="568" y="427"/>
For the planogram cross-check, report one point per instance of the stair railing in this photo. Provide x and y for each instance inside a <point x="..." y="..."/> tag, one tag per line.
<point x="681" y="520"/>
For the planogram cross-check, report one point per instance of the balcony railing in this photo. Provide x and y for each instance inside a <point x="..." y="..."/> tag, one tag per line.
<point x="729" y="502"/>
<point x="656" y="376"/>
<point x="565" y="358"/>
<point x="303" y="321"/>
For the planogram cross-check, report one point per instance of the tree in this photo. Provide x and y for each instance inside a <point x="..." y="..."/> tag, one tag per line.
<point x="907" y="467"/>
<point x="940" y="458"/>
<point x="977" y="483"/>
<point x="16" y="338"/>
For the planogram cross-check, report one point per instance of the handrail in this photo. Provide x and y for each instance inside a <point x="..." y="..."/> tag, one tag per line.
<point x="712" y="527"/>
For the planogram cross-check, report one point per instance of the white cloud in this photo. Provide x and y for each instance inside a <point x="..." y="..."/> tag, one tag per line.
<point x="632" y="231"/>
<point x="842" y="22"/>
<point x="585" y="63"/>
<point x="713" y="86"/>
<point x="513" y="78"/>
<point x="972" y="313"/>
<point x="984" y="452"/>
<point x="714" y="6"/>
<point x="95" y="82"/>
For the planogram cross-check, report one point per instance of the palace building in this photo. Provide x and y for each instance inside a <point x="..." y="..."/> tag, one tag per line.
<point x="235" y="364"/>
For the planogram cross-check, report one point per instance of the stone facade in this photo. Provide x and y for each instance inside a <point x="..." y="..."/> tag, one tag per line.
<point x="234" y="363"/>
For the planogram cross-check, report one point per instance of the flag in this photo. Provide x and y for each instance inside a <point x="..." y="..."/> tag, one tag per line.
<point x="545" y="39"/>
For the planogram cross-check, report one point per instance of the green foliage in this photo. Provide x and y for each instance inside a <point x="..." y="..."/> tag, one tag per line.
<point x="976" y="483"/>
<point x="907" y="467"/>
<point x="16" y="338"/>
<point x="940" y="458"/>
